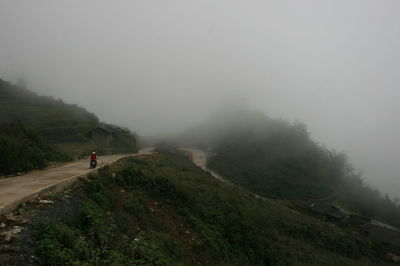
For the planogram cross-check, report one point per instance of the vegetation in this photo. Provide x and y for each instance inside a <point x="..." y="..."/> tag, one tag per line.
<point x="163" y="210"/>
<point x="277" y="159"/>
<point x="22" y="150"/>
<point x="54" y="120"/>
<point x="45" y="125"/>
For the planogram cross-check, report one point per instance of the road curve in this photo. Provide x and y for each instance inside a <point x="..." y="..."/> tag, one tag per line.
<point x="199" y="158"/>
<point x="16" y="190"/>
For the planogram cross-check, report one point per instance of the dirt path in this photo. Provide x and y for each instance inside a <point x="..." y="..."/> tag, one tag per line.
<point x="199" y="157"/>
<point x="16" y="190"/>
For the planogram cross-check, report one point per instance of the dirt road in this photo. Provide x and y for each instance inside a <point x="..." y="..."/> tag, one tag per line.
<point x="16" y="190"/>
<point x="199" y="157"/>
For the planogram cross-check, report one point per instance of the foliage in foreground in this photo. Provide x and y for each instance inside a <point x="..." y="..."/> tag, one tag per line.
<point x="165" y="211"/>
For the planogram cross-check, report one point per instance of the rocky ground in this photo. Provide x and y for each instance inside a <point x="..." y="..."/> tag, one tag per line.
<point x="16" y="238"/>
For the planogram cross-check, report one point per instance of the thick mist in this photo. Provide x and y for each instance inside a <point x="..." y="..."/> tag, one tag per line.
<point x="158" y="67"/>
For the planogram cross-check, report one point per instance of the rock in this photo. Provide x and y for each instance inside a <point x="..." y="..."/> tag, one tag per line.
<point x="16" y="229"/>
<point x="10" y="217"/>
<point x="46" y="201"/>
<point x="7" y="235"/>
<point x="2" y="225"/>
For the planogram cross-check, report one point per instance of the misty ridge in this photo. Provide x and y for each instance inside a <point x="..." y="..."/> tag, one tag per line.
<point x="278" y="159"/>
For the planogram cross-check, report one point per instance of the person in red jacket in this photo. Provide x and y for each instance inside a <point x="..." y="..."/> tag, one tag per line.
<point x="93" y="156"/>
<point x="93" y="160"/>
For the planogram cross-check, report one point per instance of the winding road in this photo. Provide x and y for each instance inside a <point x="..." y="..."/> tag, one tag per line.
<point x="20" y="189"/>
<point x="199" y="158"/>
<point x="16" y="190"/>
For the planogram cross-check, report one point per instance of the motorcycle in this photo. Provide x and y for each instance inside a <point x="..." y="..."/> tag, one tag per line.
<point x="93" y="164"/>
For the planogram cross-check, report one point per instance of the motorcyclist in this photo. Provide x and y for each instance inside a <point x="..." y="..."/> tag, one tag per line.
<point x="93" y="160"/>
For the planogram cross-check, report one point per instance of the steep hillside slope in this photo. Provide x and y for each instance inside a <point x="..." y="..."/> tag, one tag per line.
<point x="269" y="156"/>
<point x="55" y="120"/>
<point x="163" y="210"/>
<point x="278" y="159"/>
<point x="53" y="125"/>
<point x="21" y="149"/>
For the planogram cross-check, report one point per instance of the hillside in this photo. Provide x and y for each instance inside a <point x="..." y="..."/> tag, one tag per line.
<point x="163" y="210"/>
<point x="268" y="156"/>
<point x="278" y="159"/>
<point x="21" y="149"/>
<point x="33" y="125"/>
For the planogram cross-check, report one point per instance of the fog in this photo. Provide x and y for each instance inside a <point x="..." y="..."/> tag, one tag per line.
<point x="160" y="66"/>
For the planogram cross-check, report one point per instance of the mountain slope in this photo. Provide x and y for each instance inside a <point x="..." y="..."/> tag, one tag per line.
<point x="163" y="210"/>
<point x="21" y="150"/>
<point x="44" y="114"/>
<point x="37" y="126"/>
<point x="277" y="159"/>
<point x="270" y="156"/>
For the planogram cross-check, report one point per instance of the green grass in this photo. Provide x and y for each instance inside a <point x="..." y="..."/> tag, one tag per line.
<point x="163" y="210"/>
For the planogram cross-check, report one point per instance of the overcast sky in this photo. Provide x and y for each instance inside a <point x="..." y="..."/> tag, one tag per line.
<point x="158" y="66"/>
